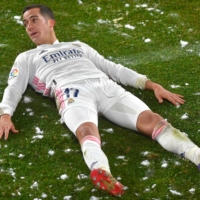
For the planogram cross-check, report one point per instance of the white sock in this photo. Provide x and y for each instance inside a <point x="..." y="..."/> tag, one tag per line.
<point x="177" y="142"/>
<point x="93" y="155"/>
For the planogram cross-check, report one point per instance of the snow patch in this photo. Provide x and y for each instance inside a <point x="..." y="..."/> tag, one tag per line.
<point x="67" y="150"/>
<point x="38" y="131"/>
<point x="51" y="152"/>
<point x="175" y="192"/>
<point x="3" y="45"/>
<point x="121" y="157"/>
<point x="183" y="43"/>
<point x="145" y="153"/>
<point x="197" y="93"/>
<point x="35" y="185"/>
<point x="101" y="21"/>
<point x="80" y="2"/>
<point x="44" y="195"/>
<point x="108" y="130"/>
<point x="98" y="9"/>
<point x="145" y="163"/>
<point x="82" y="176"/>
<point x="129" y="26"/>
<point x="185" y="116"/>
<point x="164" y="164"/>
<point x="18" y="20"/>
<point x="94" y="198"/>
<point x="67" y="198"/>
<point x="192" y="190"/>
<point x="175" y="86"/>
<point x="64" y="176"/>
<point x="27" y="99"/>
<point x="147" y="40"/>
<point x="21" y="156"/>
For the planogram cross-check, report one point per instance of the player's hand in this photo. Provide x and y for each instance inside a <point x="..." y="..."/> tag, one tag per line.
<point x="161" y="94"/>
<point x="6" y="125"/>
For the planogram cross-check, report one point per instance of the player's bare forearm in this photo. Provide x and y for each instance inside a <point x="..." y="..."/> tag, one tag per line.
<point x="161" y="93"/>
<point x="6" y="125"/>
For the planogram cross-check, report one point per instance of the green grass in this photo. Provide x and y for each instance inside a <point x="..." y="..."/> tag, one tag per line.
<point x="162" y="60"/>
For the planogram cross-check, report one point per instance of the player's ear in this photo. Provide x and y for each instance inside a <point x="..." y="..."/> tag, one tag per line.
<point x="52" y="22"/>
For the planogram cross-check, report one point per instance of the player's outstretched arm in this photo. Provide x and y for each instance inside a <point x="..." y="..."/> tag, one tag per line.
<point x="6" y="125"/>
<point x="161" y="93"/>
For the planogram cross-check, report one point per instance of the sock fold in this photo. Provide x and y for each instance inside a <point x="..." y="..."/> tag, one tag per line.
<point x="177" y="142"/>
<point x="158" y="128"/>
<point x="92" y="153"/>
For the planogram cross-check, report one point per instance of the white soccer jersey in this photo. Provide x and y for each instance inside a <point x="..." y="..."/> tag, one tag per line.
<point x="51" y="65"/>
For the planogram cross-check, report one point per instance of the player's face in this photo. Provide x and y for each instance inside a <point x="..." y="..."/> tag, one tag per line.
<point x="39" y="28"/>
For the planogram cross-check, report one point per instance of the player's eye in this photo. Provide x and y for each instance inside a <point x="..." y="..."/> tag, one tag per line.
<point x="34" y="20"/>
<point x="25" y="24"/>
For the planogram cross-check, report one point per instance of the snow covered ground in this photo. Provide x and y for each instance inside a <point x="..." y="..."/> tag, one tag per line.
<point x="185" y="46"/>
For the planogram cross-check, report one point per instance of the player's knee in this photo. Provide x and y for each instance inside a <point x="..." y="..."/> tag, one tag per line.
<point x="147" y="120"/>
<point x="86" y="129"/>
<point x="149" y="117"/>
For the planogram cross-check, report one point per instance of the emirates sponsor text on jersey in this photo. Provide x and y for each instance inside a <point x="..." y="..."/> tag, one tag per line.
<point x="62" y="55"/>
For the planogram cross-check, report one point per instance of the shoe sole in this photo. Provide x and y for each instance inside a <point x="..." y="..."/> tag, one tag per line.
<point x="105" y="181"/>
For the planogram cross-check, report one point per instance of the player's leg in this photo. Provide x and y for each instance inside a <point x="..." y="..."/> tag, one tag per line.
<point x="83" y="123"/>
<point x="132" y="113"/>
<point x="168" y="137"/>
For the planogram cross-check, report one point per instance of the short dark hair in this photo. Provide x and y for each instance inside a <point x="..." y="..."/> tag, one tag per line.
<point x="44" y="10"/>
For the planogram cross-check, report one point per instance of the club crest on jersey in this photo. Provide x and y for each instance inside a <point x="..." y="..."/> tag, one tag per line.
<point x="14" y="73"/>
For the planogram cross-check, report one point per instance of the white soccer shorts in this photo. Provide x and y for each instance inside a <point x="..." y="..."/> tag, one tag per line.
<point x="82" y="102"/>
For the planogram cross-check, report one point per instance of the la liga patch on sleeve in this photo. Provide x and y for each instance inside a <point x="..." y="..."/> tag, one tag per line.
<point x="14" y="73"/>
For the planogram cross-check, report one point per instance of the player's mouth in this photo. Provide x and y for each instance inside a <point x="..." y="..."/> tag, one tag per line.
<point x="33" y="34"/>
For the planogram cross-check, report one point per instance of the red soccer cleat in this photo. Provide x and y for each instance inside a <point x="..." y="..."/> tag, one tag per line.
<point x="105" y="181"/>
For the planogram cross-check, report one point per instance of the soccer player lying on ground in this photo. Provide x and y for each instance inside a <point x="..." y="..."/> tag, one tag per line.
<point x="83" y="84"/>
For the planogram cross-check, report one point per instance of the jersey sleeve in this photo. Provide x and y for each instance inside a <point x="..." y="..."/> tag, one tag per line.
<point x="17" y="83"/>
<point x="117" y="72"/>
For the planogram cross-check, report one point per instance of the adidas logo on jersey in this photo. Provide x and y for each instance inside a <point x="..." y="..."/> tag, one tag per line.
<point x="43" y="51"/>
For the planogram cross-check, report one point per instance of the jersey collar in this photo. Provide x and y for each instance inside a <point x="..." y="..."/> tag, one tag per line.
<point x="43" y="45"/>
